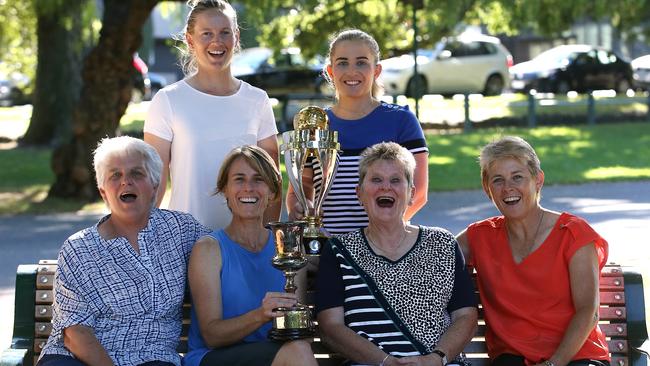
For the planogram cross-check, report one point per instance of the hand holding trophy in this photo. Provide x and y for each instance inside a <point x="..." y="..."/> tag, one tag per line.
<point x="295" y="323"/>
<point x="311" y="138"/>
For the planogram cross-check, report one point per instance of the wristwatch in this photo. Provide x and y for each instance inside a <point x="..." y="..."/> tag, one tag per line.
<point x="442" y="355"/>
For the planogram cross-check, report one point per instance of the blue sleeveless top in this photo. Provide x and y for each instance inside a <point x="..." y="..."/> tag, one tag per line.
<point x="245" y="278"/>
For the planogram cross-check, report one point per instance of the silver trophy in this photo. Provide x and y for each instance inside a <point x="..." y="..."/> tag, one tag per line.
<point x="311" y="137"/>
<point x="295" y="323"/>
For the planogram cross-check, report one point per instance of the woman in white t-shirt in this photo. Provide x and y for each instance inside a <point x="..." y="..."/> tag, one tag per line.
<point x="196" y="121"/>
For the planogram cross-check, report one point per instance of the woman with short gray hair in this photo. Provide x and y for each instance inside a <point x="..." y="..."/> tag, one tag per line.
<point x="120" y="284"/>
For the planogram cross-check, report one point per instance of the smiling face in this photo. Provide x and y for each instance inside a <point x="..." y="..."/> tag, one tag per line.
<point x="247" y="193"/>
<point x="353" y="69"/>
<point x="512" y="187"/>
<point x="385" y="192"/>
<point x="213" y="39"/>
<point x="127" y="188"/>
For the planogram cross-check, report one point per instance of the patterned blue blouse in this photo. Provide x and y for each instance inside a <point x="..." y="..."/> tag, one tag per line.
<point x="132" y="301"/>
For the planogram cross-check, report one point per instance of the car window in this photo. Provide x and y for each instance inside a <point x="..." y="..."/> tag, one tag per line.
<point x="605" y="57"/>
<point x="456" y="48"/>
<point x="583" y="58"/>
<point x="476" y="49"/>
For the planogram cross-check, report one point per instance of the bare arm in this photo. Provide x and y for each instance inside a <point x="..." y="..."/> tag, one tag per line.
<point x="345" y="341"/>
<point x="270" y="145"/>
<point x="164" y="149"/>
<point x="81" y="341"/>
<point x="421" y="181"/>
<point x="463" y="243"/>
<point x="205" y="285"/>
<point x="584" y="275"/>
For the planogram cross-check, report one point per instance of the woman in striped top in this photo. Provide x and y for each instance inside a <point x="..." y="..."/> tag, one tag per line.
<point x="393" y="293"/>
<point x="361" y="120"/>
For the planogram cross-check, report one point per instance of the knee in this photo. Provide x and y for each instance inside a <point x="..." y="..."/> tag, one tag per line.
<point x="299" y="347"/>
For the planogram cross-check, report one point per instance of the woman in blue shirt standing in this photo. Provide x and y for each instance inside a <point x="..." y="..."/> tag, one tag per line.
<point x="361" y="120"/>
<point x="234" y="287"/>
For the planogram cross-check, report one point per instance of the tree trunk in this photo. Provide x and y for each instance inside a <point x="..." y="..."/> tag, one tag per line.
<point x="105" y="94"/>
<point x="58" y="76"/>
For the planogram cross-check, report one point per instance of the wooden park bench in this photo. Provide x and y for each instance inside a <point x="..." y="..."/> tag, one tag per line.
<point x="622" y="319"/>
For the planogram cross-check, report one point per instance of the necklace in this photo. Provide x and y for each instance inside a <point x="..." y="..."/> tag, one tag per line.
<point x="377" y="248"/>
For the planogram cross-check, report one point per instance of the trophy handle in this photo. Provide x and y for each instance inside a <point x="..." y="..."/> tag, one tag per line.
<point x="329" y="162"/>
<point x="294" y="162"/>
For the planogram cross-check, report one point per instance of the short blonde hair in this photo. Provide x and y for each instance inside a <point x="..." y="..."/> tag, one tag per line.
<point x="389" y="151"/>
<point x="508" y="147"/>
<point x="259" y="160"/>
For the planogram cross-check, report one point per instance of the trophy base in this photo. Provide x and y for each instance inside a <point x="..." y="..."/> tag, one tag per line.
<point x="294" y="324"/>
<point x="313" y="245"/>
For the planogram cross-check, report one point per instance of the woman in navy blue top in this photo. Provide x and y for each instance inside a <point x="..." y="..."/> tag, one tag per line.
<point x="361" y="120"/>
<point x="234" y="287"/>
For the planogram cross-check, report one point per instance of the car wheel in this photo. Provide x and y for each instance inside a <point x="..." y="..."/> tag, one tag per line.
<point x="493" y="85"/>
<point x="416" y="87"/>
<point x="622" y="86"/>
<point x="562" y="87"/>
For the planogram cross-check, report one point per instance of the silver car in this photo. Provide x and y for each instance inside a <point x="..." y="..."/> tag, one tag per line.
<point x="641" y="67"/>
<point x="464" y="64"/>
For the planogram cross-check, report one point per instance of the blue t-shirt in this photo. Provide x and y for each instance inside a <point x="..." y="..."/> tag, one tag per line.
<point x="342" y="211"/>
<point x="245" y="278"/>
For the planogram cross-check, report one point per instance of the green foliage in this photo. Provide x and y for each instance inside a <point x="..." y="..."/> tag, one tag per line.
<point x="17" y="37"/>
<point x="309" y="24"/>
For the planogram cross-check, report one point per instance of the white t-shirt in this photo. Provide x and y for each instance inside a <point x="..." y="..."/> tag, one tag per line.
<point x="203" y="128"/>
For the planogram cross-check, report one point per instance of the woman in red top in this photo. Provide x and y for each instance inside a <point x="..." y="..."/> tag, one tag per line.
<point x="538" y="270"/>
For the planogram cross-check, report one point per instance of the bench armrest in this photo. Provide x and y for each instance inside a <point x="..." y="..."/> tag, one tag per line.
<point x="13" y="357"/>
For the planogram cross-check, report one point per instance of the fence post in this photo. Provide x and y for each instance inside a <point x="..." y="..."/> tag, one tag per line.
<point x="591" y="108"/>
<point x="647" y="116"/>
<point x="532" y="113"/>
<point x="468" y="123"/>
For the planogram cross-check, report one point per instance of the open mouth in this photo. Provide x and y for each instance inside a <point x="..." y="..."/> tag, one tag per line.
<point x="385" y="201"/>
<point x="511" y="200"/>
<point x="352" y="82"/>
<point x="128" y="197"/>
<point x="217" y="53"/>
<point x="248" y="200"/>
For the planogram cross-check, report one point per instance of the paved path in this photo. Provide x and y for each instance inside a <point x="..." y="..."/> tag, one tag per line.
<point x="618" y="211"/>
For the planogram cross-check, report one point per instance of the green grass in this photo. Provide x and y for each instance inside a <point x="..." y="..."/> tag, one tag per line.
<point x="569" y="154"/>
<point x="578" y="154"/>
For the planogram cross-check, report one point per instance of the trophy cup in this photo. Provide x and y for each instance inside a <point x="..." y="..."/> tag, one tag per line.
<point x="289" y="257"/>
<point x="311" y="137"/>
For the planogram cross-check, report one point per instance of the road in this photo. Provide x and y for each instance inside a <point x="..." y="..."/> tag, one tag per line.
<point x="620" y="212"/>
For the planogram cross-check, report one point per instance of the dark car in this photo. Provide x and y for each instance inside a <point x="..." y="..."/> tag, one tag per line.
<point x="280" y="74"/>
<point x="572" y="67"/>
<point x="13" y="86"/>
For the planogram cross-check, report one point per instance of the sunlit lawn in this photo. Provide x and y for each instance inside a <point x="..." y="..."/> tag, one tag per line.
<point x="570" y="154"/>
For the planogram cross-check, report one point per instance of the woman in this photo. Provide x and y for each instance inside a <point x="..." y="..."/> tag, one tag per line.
<point x="393" y="293"/>
<point x="120" y="284"/>
<point x="234" y="287"/>
<point x="195" y="122"/>
<point x="361" y="120"/>
<point x="537" y="269"/>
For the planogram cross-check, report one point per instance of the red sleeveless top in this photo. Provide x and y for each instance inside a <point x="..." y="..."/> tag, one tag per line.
<point x="528" y="306"/>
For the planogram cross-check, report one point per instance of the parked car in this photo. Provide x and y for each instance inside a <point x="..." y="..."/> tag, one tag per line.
<point x="641" y="68"/>
<point x="157" y="82"/>
<point x="280" y="74"/>
<point x="141" y="81"/>
<point x="573" y="67"/>
<point x="12" y="89"/>
<point x="464" y="64"/>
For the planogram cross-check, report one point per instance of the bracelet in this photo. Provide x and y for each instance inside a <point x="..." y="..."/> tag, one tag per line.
<point x="548" y="363"/>
<point x="388" y="355"/>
